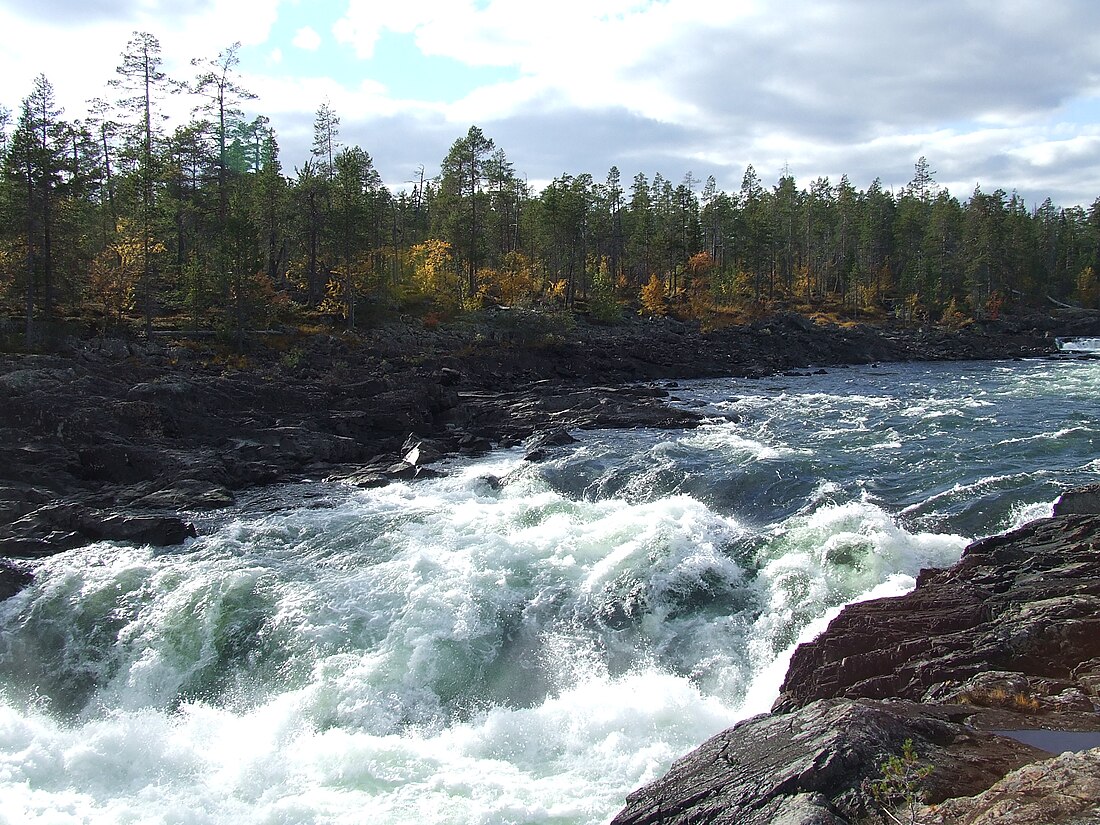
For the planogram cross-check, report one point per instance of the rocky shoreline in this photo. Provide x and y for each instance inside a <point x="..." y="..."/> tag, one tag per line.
<point x="127" y="440"/>
<point x="988" y="668"/>
<point x="121" y="439"/>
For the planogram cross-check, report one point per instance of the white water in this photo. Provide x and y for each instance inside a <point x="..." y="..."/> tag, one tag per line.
<point x="1079" y="345"/>
<point x="456" y="651"/>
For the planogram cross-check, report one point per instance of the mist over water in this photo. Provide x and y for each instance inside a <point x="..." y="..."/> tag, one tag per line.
<point x="514" y="642"/>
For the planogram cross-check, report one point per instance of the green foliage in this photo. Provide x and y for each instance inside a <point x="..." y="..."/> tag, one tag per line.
<point x="603" y="307"/>
<point x="119" y="217"/>
<point x="898" y="793"/>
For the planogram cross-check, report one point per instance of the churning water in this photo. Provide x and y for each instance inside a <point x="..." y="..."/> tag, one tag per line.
<point x="515" y="642"/>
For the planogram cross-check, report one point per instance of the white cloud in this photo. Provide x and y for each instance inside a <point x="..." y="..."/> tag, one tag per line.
<point x="81" y="55"/>
<point x="999" y="93"/>
<point x="306" y="38"/>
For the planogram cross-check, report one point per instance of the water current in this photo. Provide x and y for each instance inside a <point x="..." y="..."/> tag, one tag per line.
<point x="514" y="642"/>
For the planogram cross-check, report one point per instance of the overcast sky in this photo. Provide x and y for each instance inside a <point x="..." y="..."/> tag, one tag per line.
<point x="1001" y="94"/>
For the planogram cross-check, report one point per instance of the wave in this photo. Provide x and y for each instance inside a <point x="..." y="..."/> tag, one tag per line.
<point x="515" y="641"/>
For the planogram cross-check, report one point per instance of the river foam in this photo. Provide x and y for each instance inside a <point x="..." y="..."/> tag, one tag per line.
<point x="515" y="642"/>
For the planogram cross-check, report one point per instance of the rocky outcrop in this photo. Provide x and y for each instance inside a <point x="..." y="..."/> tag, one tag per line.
<point x="976" y="660"/>
<point x="1026" y="601"/>
<point x="1062" y="790"/>
<point x="162" y="431"/>
<point x="816" y="765"/>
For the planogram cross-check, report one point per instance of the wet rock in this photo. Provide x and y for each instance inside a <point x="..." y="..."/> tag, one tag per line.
<point x="814" y="765"/>
<point x="538" y="446"/>
<point x="12" y="579"/>
<point x="187" y="494"/>
<point x="418" y="451"/>
<point x="58" y="527"/>
<point x="1081" y="500"/>
<point x="1027" y="601"/>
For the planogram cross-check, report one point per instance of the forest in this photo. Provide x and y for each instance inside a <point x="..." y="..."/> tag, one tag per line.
<point x="116" y="223"/>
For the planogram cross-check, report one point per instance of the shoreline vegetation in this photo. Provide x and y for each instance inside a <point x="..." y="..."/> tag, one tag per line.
<point x="117" y="221"/>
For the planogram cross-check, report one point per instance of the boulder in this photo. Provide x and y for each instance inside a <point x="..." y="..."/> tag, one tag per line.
<point x="56" y="527"/>
<point x="815" y="765"/>
<point x="1081" y="500"/>
<point x="1027" y="601"/>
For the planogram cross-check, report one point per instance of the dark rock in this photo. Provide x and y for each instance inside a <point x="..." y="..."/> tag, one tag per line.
<point x="538" y="445"/>
<point x="473" y="445"/>
<point x="1027" y="601"/>
<point x="57" y="527"/>
<point x="12" y="579"/>
<point x="418" y="451"/>
<point x="1081" y="500"/>
<point x="449" y="377"/>
<point x="187" y="494"/>
<point x="813" y="765"/>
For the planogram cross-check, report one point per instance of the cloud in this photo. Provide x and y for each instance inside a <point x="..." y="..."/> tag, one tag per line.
<point x="78" y="45"/>
<point x="1005" y="94"/>
<point x="306" y="38"/>
<point x="86" y="11"/>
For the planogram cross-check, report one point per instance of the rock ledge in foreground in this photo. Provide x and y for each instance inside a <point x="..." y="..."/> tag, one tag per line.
<point x="1008" y="639"/>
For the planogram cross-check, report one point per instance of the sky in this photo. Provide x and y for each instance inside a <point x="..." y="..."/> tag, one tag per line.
<point x="1001" y="94"/>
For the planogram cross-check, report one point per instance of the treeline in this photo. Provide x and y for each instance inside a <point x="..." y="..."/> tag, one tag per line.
<point x="115" y="220"/>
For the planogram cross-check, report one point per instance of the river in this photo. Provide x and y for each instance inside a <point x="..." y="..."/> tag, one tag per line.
<point x="514" y="642"/>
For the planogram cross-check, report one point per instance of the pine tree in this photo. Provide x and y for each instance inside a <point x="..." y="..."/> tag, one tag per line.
<point x="34" y="170"/>
<point x="461" y="203"/>
<point x="142" y="82"/>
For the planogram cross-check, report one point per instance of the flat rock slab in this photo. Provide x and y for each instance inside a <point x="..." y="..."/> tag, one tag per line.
<point x="814" y="765"/>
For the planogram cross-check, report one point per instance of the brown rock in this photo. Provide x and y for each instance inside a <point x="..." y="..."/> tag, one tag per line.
<point x="1027" y="601"/>
<point x="1056" y="791"/>
<point x="814" y="765"/>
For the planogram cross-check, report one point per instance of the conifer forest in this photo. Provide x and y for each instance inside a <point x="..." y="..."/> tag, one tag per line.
<point x="119" y="221"/>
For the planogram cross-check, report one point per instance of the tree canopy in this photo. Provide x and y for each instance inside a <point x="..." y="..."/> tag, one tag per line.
<point x="114" y="221"/>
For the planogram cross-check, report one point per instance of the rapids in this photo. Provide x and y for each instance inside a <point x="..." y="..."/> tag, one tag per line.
<point x="513" y="642"/>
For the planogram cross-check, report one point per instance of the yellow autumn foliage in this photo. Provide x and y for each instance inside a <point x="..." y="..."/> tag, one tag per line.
<point x="654" y="298"/>
<point x="117" y="269"/>
<point x="434" y="273"/>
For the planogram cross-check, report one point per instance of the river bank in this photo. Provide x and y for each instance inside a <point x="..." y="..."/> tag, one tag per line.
<point x="118" y="439"/>
<point x="532" y="640"/>
<point x="987" y="670"/>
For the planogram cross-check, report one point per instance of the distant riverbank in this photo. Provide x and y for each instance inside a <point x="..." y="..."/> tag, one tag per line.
<point x="146" y="430"/>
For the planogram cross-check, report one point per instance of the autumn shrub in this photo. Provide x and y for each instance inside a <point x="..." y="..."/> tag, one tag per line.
<point x="435" y="274"/>
<point x="953" y="318"/>
<point x="654" y="298"/>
